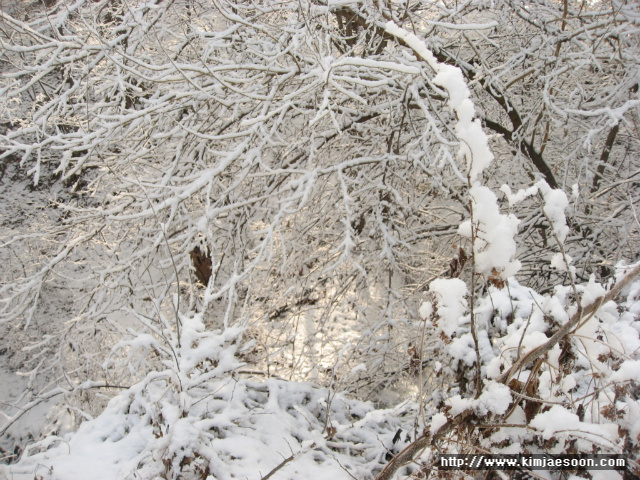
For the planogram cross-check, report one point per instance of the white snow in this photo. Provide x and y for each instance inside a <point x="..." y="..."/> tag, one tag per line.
<point x="558" y="261"/>
<point x="450" y="302"/>
<point x="426" y="309"/>
<point x="556" y="203"/>
<point x="559" y="420"/>
<point x="628" y="370"/>
<point x="495" y="246"/>
<point x="437" y="422"/>
<point x="495" y="398"/>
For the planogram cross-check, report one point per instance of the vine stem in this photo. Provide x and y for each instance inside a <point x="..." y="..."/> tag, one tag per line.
<point x="474" y="232"/>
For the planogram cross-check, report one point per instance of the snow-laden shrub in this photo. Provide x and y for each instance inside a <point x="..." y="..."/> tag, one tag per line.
<point x="201" y="418"/>
<point x="578" y="396"/>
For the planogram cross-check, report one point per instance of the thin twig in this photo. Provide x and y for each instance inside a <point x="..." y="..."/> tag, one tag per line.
<point x="284" y="462"/>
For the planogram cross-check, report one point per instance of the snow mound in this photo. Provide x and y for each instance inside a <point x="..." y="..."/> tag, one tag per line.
<point x="228" y="428"/>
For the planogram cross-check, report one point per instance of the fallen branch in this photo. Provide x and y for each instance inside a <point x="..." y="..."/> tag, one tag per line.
<point x="405" y="456"/>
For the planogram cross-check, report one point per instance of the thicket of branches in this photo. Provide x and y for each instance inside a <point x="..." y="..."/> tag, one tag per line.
<point x="326" y="166"/>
